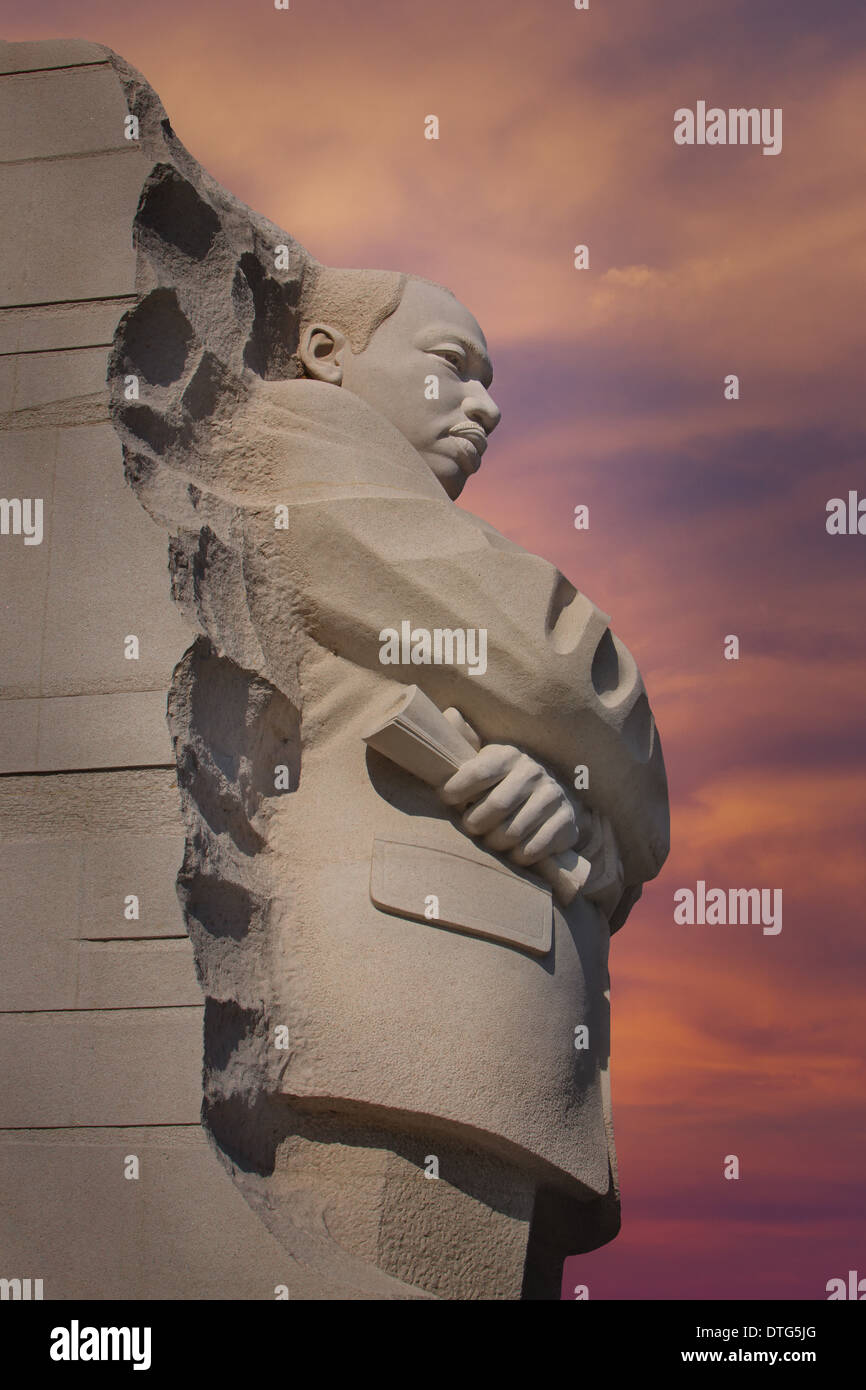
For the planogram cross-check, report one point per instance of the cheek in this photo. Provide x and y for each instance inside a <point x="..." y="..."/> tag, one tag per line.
<point x="401" y="386"/>
<point x="373" y="375"/>
<point x="451" y="389"/>
<point x="418" y="406"/>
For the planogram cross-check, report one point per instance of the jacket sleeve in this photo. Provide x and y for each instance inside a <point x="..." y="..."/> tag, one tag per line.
<point x="558" y="683"/>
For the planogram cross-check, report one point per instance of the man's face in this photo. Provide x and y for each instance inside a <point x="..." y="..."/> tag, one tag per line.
<point x="430" y="334"/>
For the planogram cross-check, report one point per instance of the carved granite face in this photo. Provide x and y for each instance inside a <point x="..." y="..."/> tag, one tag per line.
<point x="430" y="334"/>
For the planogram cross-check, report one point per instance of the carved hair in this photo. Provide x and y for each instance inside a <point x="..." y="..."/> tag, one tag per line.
<point x="355" y="301"/>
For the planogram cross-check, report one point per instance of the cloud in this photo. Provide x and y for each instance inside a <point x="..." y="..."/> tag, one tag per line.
<point x="706" y="515"/>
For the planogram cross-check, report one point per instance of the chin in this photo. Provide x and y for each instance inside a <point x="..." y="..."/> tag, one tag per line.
<point x="448" y="473"/>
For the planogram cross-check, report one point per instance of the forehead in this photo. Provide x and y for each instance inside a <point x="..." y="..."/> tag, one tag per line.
<point x="427" y="311"/>
<point x="424" y="305"/>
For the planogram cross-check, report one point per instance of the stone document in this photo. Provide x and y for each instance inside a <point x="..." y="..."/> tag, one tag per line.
<point x="390" y="938"/>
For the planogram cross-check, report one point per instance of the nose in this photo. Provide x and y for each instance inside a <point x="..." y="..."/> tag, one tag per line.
<point x="480" y="406"/>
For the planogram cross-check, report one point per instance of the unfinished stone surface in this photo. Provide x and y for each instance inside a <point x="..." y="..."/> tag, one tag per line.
<point x="286" y="435"/>
<point x="100" y="1011"/>
<point x="393" y="1077"/>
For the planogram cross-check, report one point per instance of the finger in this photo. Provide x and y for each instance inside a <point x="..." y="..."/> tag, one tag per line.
<point x="583" y="817"/>
<point x="526" y="820"/>
<point x="488" y="767"/>
<point x="456" y="718"/>
<point x="502" y="802"/>
<point x="557" y="834"/>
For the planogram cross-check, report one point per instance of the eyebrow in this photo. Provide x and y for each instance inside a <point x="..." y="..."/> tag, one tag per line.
<point x="469" y="345"/>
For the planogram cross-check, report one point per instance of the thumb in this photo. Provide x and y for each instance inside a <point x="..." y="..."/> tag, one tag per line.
<point x="455" y="718"/>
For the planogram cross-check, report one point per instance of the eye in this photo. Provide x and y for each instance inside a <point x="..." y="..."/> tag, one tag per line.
<point x="453" y="356"/>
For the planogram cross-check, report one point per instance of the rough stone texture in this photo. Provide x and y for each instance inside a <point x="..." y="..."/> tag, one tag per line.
<point x="100" y="1015"/>
<point x="406" y="1039"/>
<point x="398" y="1029"/>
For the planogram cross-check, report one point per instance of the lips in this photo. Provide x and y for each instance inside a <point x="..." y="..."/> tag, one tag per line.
<point x="474" y="434"/>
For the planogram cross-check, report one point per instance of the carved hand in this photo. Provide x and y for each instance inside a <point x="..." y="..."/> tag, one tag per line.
<point x="525" y="813"/>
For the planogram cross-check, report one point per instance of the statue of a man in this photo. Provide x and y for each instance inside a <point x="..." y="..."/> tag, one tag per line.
<point x="429" y="334"/>
<point x="406" y="1022"/>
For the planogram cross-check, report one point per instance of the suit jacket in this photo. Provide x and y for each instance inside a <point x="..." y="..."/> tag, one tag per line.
<point x="464" y="1025"/>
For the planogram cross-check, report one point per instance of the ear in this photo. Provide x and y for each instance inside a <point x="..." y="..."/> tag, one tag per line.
<point x="322" y="350"/>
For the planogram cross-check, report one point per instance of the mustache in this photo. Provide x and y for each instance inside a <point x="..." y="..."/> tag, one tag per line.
<point x="470" y="430"/>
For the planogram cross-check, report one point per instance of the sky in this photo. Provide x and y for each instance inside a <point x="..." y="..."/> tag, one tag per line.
<point x="707" y="515"/>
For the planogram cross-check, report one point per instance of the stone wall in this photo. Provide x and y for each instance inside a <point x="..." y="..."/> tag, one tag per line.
<point x="100" y="1013"/>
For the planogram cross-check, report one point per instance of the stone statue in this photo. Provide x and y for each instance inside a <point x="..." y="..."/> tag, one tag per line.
<point x="400" y="907"/>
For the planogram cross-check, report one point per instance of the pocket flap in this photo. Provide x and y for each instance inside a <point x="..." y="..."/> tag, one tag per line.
<point x="448" y="890"/>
